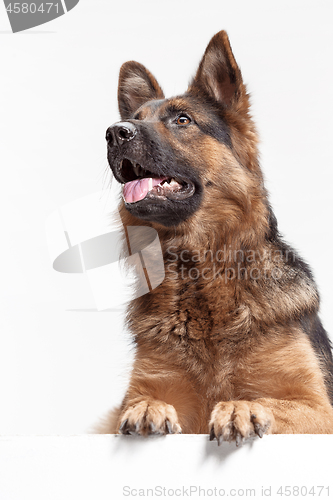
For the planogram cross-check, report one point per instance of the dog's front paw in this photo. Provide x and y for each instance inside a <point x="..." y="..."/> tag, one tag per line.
<point x="150" y="417"/>
<point x="239" y="420"/>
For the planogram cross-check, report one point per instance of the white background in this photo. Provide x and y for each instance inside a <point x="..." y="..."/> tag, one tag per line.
<point x="62" y="363"/>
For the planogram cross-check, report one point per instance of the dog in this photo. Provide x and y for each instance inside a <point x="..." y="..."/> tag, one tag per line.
<point x="230" y="343"/>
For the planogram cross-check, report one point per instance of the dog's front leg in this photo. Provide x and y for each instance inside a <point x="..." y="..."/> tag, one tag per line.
<point x="160" y="400"/>
<point x="240" y="420"/>
<point x="312" y="414"/>
<point x="280" y="389"/>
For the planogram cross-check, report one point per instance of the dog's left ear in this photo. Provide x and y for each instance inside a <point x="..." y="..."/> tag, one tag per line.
<point x="136" y="86"/>
<point x="218" y="75"/>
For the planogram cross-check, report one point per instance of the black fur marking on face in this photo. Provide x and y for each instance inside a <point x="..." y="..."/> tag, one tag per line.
<point x="167" y="213"/>
<point x="152" y="105"/>
<point x="206" y="115"/>
<point x="218" y="130"/>
<point x="155" y="155"/>
<point x="214" y="123"/>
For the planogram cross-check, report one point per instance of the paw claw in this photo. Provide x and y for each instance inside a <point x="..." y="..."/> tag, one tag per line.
<point x="123" y="429"/>
<point x="239" y="438"/>
<point x="168" y="428"/>
<point x="212" y="434"/>
<point x="258" y="430"/>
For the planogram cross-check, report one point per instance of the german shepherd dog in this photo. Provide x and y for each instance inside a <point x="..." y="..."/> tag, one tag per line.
<point x="230" y="342"/>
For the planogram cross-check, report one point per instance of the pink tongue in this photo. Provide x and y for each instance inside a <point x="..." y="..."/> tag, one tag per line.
<point x="137" y="190"/>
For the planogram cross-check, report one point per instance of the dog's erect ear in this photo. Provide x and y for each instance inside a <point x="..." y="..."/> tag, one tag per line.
<point x="136" y="86"/>
<point x="218" y="74"/>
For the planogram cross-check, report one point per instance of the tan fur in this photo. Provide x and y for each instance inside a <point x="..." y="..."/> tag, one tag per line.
<point x="268" y="375"/>
<point x="223" y="352"/>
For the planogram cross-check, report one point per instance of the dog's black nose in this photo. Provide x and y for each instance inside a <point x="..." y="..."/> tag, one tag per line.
<point x="120" y="132"/>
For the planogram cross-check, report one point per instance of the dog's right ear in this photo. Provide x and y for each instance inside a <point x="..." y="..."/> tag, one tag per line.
<point x="136" y="86"/>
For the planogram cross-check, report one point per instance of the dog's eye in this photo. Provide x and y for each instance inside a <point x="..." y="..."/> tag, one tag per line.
<point x="183" y="120"/>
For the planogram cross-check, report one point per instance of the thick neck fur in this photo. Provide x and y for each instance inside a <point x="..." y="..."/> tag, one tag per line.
<point x="232" y="293"/>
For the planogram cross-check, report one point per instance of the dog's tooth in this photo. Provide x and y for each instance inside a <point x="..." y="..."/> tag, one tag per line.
<point x="150" y="185"/>
<point x="142" y="171"/>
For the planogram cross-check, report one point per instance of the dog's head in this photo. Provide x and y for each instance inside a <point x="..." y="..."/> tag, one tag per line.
<point x="192" y="156"/>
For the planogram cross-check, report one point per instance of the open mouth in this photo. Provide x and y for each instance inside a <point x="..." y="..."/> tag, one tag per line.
<point x="139" y="183"/>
